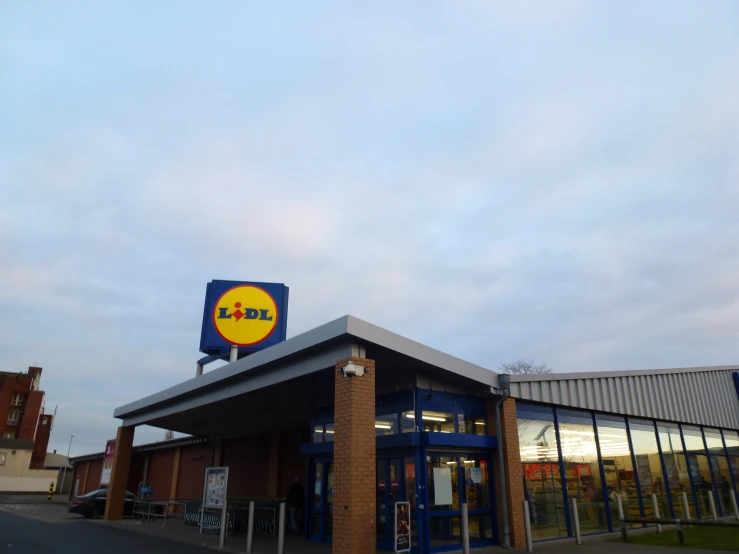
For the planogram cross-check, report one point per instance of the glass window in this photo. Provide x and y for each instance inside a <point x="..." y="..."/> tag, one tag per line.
<point x="9" y="436"/>
<point x="649" y="467"/>
<point x="17" y="399"/>
<point x="476" y="482"/>
<point x="698" y="467"/>
<point x="618" y="467"/>
<point x="472" y="425"/>
<point x="582" y="472"/>
<point x="434" y="422"/>
<point x="328" y="432"/>
<point x="543" y="485"/>
<point x="407" y="422"/>
<point x="676" y="467"/>
<point x="318" y="433"/>
<point x="721" y="469"/>
<point x="13" y="418"/>
<point x="443" y="495"/>
<point x="732" y="446"/>
<point x="386" y="424"/>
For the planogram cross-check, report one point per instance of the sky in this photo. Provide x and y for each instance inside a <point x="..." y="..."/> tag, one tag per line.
<point x="552" y="181"/>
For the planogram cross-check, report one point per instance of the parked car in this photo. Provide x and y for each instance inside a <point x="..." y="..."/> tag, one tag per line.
<point x="92" y="504"/>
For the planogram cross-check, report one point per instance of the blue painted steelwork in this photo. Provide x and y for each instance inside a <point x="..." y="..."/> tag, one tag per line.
<point x="211" y="341"/>
<point x="636" y="470"/>
<point x="562" y="476"/>
<point x="714" y="482"/>
<point x="690" y="474"/>
<point x="735" y="376"/>
<point x="665" y="475"/>
<point x="604" y="488"/>
<point x="728" y="460"/>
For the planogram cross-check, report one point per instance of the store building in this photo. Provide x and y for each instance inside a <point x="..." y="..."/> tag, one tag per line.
<point x="368" y="418"/>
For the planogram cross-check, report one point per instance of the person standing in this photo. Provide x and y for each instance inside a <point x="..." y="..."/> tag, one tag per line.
<point x="296" y="502"/>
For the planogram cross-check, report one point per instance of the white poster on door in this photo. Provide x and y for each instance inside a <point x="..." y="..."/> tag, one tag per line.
<point x="442" y="486"/>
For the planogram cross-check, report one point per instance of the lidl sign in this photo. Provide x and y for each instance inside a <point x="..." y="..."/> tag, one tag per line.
<point x="249" y="315"/>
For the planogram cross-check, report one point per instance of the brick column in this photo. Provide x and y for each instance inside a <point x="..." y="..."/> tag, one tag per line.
<point x="513" y="470"/>
<point x="175" y="477"/>
<point x="119" y="474"/>
<point x="354" y="528"/>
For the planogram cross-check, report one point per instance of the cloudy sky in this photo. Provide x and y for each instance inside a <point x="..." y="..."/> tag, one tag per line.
<point x="552" y="181"/>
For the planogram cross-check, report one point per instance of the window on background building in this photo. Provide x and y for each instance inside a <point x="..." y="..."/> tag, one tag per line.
<point x="721" y="471"/>
<point x="470" y="424"/>
<point x="18" y="399"/>
<point x="582" y="472"/>
<point x="13" y="418"/>
<point x="676" y="467"/>
<point x="618" y="467"/>
<point x="542" y="481"/>
<point x="731" y="438"/>
<point x="386" y="424"/>
<point x="649" y="467"/>
<point x="698" y="467"/>
<point x="434" y="422"/>
<point x="9" y="436"/>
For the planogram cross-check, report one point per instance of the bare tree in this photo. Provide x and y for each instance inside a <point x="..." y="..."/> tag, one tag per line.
<point x="524" y="367"/>
<point x="168" y="435"/>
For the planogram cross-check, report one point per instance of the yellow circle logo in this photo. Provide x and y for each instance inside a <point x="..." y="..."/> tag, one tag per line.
<point x="245" y="315"/>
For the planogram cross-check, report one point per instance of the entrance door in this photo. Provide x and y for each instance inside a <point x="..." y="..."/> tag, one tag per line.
<point x="452" y="480"/>
<point x="390" y="488"/>
<point x="321" y="500"/>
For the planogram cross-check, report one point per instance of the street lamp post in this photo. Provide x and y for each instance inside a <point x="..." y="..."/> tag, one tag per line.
<point x="64" y="474"/>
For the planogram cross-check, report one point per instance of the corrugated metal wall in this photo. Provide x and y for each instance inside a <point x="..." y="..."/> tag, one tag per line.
<point x="701" y="397"/>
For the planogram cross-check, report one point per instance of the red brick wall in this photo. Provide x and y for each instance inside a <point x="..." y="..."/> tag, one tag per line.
<point x="30" y="414"/>
<point x="135" y="473"/>
<point x="193" y="461"/>
<point x="513" y="470"/>
<point x="43" y="432"/>
<point x="248" y="463"/>
<point x="354" y="530"/>
<point x="159" y="474"/>
<point x="291" y="463"/>
<point x="94" y="475"/>
<point x="9" y="385"/>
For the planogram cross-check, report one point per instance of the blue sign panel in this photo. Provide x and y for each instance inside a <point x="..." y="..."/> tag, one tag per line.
<point x="250" y="315"/>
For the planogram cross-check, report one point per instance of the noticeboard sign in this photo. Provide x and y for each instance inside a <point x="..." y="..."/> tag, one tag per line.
<point x="108" y="463"/>
<point x="249" y="315"/>
<point x="402" y="541"/>
<point x="216" y="486"/>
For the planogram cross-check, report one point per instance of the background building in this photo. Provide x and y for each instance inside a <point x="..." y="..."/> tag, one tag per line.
<point x="24" y="433"/>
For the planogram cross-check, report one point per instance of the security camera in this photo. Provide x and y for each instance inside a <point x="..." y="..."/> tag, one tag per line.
<point x="351" y="369"/>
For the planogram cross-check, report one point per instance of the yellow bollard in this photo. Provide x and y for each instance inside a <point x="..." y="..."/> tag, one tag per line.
<point x="51" y="490"/>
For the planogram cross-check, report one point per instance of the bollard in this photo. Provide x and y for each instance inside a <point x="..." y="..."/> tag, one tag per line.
<point x="686" y="507"/>
<point x="224" y="525"/>
<point x="621" y="520"/>
<point x="712" y="505"/>
<point x="51" y="491"/>
<point x="250" y="528"/>
<point x="527" y="526"/>
<point x="656" y="512"/>
<point x="465" y="529"/>
<point x="234" y="354"/>
<point x="680" y="532"/>
<point x="281" y="532"/>
<point x="733" y="504"/>
<point x="576" y="521"/>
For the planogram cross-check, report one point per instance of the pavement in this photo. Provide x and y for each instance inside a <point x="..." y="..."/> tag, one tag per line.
<point x="33" y="525"/>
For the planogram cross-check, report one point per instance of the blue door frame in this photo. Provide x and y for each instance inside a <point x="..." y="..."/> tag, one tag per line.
<point x="319" y="511"/>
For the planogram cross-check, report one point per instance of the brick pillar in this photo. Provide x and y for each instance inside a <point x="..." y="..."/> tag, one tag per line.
<point x="513" y="470"/>
<point x="354" y="528"/>
<point x="175" y="477"/>
<point x="119" y="474"/>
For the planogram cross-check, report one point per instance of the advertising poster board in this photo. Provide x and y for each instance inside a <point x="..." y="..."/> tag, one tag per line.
<point x="645" y="471"/>
<point x="402" y="527"/>
<point x="216" y="483"/>
<point x="108" y="463"/>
